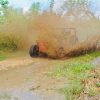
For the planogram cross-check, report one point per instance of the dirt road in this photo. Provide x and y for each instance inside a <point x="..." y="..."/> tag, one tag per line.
<point x="25" y="79"/>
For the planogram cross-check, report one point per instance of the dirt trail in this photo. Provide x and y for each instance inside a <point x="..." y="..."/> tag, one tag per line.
<point x="25" y="79"/>
<point x="13" y="62"/>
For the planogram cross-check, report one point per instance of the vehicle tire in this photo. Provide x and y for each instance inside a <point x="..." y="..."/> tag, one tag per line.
<point x="34" y="51"/>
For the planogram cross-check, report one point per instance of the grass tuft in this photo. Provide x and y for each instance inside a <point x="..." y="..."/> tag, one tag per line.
<point x="76" y="71"/>
<point x="92" y="91"/>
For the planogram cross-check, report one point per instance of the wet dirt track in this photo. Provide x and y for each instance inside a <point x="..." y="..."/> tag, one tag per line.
<point x="25" y="79"/>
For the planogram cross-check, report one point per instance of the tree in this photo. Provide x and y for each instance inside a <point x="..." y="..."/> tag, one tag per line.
<point x="51" y="5"/>
<point x="78" y="7"/>
<point x="4" y="3"/>
<point x="3" y="9"/>
<point x="35" y="7"/>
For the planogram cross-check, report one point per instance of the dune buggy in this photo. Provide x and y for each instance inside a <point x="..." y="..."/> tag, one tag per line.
<point x="39" y="49"/>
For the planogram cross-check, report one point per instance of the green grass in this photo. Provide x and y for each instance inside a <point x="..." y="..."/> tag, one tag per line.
<point x="75" y="70"/>
<point x="2" y="57"/>
<point x="72" y="89"/>
<point x="92" y="92"/>
<point x="98" y="84"/>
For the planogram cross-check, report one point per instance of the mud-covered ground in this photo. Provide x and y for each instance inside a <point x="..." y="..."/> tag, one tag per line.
<point x="25" y="78"/>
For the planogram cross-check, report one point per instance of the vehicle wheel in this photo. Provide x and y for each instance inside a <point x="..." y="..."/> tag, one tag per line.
<point x="34" y="51"/>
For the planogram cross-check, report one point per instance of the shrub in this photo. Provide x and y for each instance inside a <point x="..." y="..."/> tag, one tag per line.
<point x="10" y="42"/>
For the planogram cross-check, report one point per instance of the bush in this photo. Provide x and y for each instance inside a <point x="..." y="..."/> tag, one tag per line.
<point x="10" y="42"/>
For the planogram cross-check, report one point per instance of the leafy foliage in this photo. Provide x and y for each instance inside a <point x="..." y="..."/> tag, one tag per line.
<point x="78" y="7"/>
<point x="3" y="10"/>
<point x="51" y="5"/>
<point x="9" y="42"/>
<point x="4" y="3"/>
<point x="35" y="7"/>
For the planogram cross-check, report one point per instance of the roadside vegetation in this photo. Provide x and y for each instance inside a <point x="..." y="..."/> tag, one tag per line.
<point x="81" y="76"/>
<point x="2" y="57"/>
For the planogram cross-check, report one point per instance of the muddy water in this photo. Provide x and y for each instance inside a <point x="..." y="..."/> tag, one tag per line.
<point x="29" y="82"/>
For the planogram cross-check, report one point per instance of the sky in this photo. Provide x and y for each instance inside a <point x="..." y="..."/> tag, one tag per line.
<point x="25" y="4"/>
